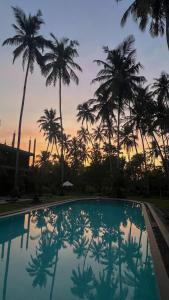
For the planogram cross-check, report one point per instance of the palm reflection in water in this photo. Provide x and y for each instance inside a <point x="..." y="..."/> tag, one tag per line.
<point x="108" y="249"/>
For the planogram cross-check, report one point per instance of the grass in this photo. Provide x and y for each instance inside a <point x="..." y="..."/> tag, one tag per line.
<point x="17" y="206"/>
<point x="9" y="207"/>
<point x="162" y="203"/>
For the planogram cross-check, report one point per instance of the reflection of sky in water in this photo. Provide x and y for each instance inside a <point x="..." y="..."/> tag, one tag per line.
<point x="77" y="251"/>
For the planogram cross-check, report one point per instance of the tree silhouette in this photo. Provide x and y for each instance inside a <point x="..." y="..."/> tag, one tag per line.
<point x="30" y="45"/>
<point x="154" y="14"/>
<point x="60" y="66"/>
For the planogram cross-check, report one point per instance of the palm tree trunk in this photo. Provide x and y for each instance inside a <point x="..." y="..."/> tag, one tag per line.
<point x="167" y="22"/>
<point x="57" y="151"/>
<point x="135" y="144"/>
<point x="144" y="151"/>
<point x="53" y="275"/>
<point x="118" y="134"/>
<point x="164" y="146"/>
<point x="148" y="145"/>
<point x="110" y="158"/>
<point x="165" y="165"/>
<point x="120" y="264"/>
<point x="128" y="154"/>
<point x="145" y="162"/>
<point x="6" y="271"/>
<point x="47" y="147"/>
<point x="129" y="236"/>
<point x="61" y="125"/>
<point x="16" y="187"/>
<point x="52" y="148"/>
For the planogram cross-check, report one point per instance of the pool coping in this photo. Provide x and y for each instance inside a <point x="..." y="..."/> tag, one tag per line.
<point x="160" y="271"/>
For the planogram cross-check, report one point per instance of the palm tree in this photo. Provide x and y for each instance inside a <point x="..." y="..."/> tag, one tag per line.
<point x="82" y="282"/>
<point x="104" y="106"/>
<point x="154" y="14"/>
<point x="85" y="114"/>
<point x="80" y="247"/>
<point x="128" y="139"/>
<point x="98" y="134"/>
<point x="60" y="66"/>
<point x="119" y="77"/>
<point x="30" y="45"/>
<point x="40" y="266"/>
<point x="43" y="158"/>
<point x="78" y="153"/>
<point x="50" y="125"/>
<point x="161" y="88"/>
<point x="83" y="135"/>
<point x="161" y="91"/>
<point x="142" y="112"/>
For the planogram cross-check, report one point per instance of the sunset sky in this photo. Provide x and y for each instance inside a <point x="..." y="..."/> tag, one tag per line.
<point x="94" y="23"/>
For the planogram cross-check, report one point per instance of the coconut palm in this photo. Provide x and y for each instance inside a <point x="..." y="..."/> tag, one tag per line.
<point x="84" y="135"/>
<point x="85" y="114"/>
<point x="142" y="113"/>
<point x="119" y="77"/>
<point x="50" y="125"/>
<point x="43" y="158"/>
<point x="30" y="45"/>
<point x="128" y="140"/>
<point x="98" y="134"/>
<point x="78" y="153"/>
<point x="82" y="282"/>
<point x="161" y="88"/>
<point x="96" y="155"/>
<point x="60" y="66"/>
<point x="97" y="251"/>
<point x="104" y="107"/>
<point x="161" y="91"/>
<point x="40" y="266"/>
<point x="154" y="14"/>
<point x="80" y="247"/>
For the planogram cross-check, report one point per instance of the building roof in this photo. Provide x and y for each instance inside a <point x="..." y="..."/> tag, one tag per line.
<point x="4" y="147"/>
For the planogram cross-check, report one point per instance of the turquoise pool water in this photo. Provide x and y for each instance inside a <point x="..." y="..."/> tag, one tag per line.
<point x="95" y="250"/>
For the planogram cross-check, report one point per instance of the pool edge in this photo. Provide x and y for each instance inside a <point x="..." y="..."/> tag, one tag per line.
<point x="160" y="270"/>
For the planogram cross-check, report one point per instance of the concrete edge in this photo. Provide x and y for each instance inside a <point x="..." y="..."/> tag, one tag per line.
<point x="42" y="206"/>
<point x="59" y="202"/>
<point x="160" y="271"/>
<point x="160" y="224"/>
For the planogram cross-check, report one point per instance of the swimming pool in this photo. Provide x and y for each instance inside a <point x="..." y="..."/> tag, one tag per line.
<point x="96" y="250"/>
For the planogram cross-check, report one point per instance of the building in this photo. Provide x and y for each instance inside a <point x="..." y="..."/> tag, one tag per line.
<point x="7" y="165"/>
<point x="8" y="157"/>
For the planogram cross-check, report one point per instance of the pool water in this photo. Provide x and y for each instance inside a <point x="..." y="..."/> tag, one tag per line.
<point x="96" y="250"/>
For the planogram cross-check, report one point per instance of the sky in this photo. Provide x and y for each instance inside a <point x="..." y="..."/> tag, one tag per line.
<point x="94" y="23"/>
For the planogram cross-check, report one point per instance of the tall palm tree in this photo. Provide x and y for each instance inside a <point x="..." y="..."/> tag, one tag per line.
<point x="152" y="13"/>
<point x="161" y="91"/>
<point x="104" y="106"/>
<point x="85" y="114"/>
<point x="128" y="140"/>
<point x="43" y="158"/>
<point x="161" y="88"/>
<point x="29" y="44"/>
<point x="78" y="153"/>
<point x="142" y="112"/>
<point x="50" y="125"/>
<point x="60" y="66"/>
<point x="119" y="77"/>
<point x="83" y="135"/>
<point x="98" y="134"/>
